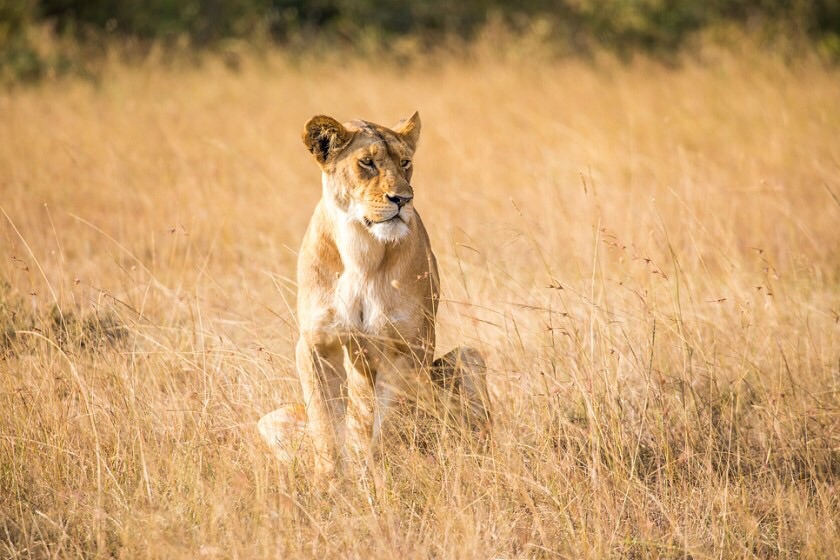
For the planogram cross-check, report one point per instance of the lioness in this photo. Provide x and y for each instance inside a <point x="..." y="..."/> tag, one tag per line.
<point x="367" y="292"/>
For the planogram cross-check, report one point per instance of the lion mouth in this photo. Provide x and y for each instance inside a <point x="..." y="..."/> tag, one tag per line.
<point x="371" y="223"/>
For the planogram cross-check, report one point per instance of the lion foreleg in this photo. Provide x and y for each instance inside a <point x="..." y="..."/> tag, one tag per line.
<point x="361" y="401"/>
<point x="322" y="375"/>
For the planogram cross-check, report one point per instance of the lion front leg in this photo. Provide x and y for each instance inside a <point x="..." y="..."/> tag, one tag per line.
<point x="361" y="399"/>
<point x="321" y="371"/>
<point x="402" y="390"/>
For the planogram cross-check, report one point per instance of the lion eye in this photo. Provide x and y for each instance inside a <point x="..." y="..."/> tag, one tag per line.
<point x="405" y="164"/>
<point x="366" y="162"/>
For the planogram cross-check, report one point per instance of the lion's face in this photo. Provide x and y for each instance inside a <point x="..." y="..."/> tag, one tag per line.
<point x="367" y="171"/>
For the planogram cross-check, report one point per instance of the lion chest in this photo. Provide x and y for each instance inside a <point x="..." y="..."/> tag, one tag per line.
<point x="369" y="306"/>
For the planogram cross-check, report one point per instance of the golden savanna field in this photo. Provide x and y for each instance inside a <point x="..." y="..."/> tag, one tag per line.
<point x="648" y="256"/>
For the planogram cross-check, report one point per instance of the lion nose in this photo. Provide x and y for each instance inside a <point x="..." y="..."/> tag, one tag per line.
<point x="400" y="201"/>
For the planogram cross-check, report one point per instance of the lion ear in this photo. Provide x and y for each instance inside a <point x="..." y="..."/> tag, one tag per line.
<point x="409" y="129"/>
<point x="325" y="137"/>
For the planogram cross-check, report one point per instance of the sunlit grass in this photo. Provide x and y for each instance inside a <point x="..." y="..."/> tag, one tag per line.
<point x="648" y="258"/>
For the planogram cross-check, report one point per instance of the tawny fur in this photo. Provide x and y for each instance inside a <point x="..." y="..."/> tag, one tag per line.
<point x="367" y="288"/>
<point x="367" y="284"/>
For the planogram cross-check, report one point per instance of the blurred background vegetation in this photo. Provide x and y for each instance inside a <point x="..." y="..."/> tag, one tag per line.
<point x="658" y="27"/>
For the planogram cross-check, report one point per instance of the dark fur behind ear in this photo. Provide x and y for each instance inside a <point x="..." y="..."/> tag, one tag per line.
<point x="325" y="137"/>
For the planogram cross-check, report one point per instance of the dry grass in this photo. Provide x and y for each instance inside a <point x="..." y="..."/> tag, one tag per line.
<point x="648" y="257"/>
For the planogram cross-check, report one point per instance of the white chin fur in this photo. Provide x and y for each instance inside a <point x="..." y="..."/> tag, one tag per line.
<point x="390" y="231"/>
<point x="385" y="232"/>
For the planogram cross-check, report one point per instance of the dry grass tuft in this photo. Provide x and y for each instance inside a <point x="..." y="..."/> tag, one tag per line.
<point x="648" y="258"/>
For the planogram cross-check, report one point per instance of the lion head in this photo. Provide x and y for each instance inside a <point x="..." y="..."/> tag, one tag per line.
<point x="367" y="171"/>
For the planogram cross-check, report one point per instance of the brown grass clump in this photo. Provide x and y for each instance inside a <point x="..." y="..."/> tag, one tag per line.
<point x="647" y="257"/>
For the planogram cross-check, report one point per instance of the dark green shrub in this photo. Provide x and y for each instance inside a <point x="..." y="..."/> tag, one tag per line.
<point x="18" y="58"/>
